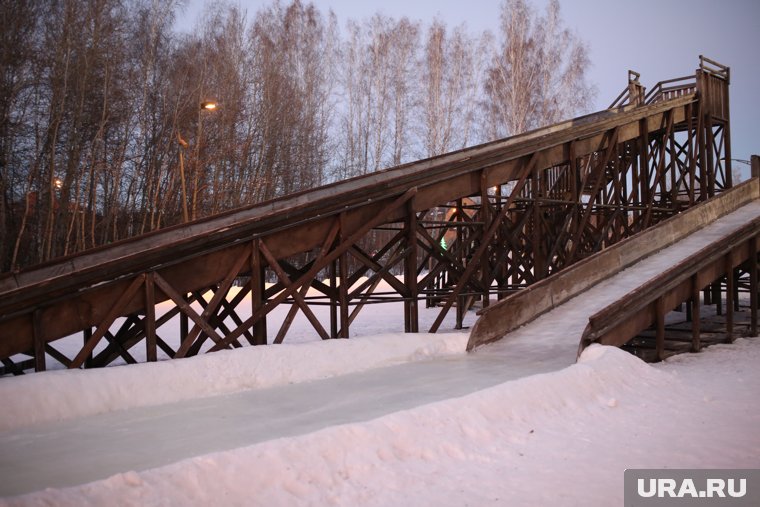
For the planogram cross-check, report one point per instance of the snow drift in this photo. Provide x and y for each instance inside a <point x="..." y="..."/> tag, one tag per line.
<point x="57" y="395"/>
<point x="562" y="438"/>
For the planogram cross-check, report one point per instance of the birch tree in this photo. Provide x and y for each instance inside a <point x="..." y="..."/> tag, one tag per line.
<point x="537" y="75"/>
<point x="451" y="68"/>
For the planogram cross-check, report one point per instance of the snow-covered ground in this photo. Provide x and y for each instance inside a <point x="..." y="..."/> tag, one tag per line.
<point x="417" y="422"/>
<point x="560" y="438"/>
<point x="63" y="394"/>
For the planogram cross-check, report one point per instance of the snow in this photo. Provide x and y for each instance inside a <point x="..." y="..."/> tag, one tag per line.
<point x="395" y="419"/>
<point x="63" y="394"/>
<point x="559" y="438"/>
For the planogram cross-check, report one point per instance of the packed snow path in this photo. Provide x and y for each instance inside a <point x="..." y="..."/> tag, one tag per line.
<point x="85" y="449"/>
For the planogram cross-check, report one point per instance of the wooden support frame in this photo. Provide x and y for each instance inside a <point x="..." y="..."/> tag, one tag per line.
<point x="565" y="192"/>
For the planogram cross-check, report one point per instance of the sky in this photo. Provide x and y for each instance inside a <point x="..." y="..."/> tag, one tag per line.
<point x="660" y="39"/>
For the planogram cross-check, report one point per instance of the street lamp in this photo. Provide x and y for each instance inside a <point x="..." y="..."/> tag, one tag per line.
<point x="182" y="146"/>
<point x="204" y="106"/>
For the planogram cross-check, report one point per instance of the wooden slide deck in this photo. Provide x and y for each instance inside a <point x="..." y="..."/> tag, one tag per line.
<point x="520" y="308"/>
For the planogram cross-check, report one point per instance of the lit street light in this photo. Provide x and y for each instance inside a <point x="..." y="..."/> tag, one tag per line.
<point x="204" y="106"/>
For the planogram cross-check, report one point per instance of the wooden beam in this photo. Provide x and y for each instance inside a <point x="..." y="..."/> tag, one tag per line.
<point x="298" y="295"/>
<point x="187" y="310"/>
<point x="334" y="254"/>
<point x="218" y="297"/>
<point x="102" y="329"/>
<point x="475" y="260"/>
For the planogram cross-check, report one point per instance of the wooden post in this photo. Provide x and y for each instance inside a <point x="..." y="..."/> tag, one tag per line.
<point x="333" y="299"/>
<point x="257" y="294"/>
<point x="184" y="328"/>
<point x="660" y="319"/>
<point x="343" y="287"/>
<point x="151" y="354"/>
<point x="755" y="164"/>
<point x="536" y="193"/>
<point x="696" y="343"/>
<point x="644" y="155"/>
<point x="753" y="285"/>
<point x="717" y="297"/>
<point x="729" y="298"/>
<point x="39" y="341"/>
<point x="485" y="216"/>
<point x="692" y="159"/>
<point x="461" y="259"/>
<point x="410" y="271"/>
<point x="87" y="334"/>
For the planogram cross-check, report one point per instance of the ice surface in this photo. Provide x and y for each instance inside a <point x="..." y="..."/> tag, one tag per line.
<point x="559" y="438"/>
<point x="63" y="394"/>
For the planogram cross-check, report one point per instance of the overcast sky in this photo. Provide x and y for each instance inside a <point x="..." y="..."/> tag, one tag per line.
<point x="661" y="39"/>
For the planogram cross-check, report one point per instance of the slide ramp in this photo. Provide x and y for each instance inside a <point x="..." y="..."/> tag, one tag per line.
<point x="688" y="252"/>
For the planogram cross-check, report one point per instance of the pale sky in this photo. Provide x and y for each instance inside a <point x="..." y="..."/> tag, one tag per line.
<point x="660" y="39"/>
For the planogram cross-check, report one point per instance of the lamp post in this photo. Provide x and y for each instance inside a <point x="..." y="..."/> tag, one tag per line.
<point x="182" y="146"/>
<point x="204" y="106"/>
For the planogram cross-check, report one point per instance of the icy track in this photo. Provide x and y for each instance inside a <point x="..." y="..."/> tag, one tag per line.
<point x="416" y="421"/>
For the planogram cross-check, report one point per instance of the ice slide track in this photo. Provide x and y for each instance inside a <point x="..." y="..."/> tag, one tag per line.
<point x="718" y="265"/>
<point x="511" y="212"/>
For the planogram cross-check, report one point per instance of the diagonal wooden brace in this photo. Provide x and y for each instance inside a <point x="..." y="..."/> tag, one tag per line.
<point x="106" y="323"/>
<point x="476" y="258"/>
<point x="328" y="258"/>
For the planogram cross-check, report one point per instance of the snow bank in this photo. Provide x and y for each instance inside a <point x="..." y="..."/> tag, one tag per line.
<point x="58" y="395"/>
<point x="561" y="438"/>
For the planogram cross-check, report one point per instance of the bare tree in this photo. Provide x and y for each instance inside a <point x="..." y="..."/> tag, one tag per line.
<point x="18" y="42"/>
<point x="378" y="80"/>
<point x="99" y="98"/>
<point x="452" y="66"/>
<point x="538" y="74"/>
<point x="292" y="50"/>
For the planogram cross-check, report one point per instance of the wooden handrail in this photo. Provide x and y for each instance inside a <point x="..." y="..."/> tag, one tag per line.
<point x="633" y="302"/>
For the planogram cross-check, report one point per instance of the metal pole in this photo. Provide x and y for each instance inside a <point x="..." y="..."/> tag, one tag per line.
<point x="182" y="145"/>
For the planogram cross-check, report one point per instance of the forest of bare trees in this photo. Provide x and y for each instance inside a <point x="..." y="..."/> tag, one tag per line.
<point x="103" y="137"/>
